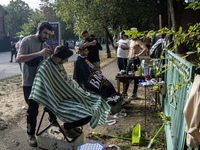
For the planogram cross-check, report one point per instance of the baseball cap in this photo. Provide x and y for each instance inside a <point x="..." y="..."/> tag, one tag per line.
<point x="21" y="36"/>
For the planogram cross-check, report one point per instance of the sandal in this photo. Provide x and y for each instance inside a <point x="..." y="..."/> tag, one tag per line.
<point x="70" y="133"/>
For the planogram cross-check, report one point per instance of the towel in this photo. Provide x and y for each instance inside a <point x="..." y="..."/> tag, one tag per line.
<point x="192" y="115"/>
<point x="54" y="89"/>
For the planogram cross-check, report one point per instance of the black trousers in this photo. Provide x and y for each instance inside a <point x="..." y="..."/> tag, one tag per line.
<point x="148" y="46"/>
<point x="78" y="123"/>
<point x="136" y="63"/>
<point x="32" y="111"/>
<point x="122" y="63"/>
<point x="12" y="54"/>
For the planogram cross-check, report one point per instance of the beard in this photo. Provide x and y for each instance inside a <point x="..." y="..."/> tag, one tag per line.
<point x="41" y="39"/>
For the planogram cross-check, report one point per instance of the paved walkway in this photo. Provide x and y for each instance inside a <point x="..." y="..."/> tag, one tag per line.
<point x="8" y="69"/>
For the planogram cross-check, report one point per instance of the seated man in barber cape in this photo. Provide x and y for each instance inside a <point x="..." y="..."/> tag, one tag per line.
<point x="54" y="89"/>
<point x="90" y="79"/>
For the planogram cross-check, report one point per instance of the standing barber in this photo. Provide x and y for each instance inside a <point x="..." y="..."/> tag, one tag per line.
<point x="32" y="51"/>
<point x="92" y="46"/>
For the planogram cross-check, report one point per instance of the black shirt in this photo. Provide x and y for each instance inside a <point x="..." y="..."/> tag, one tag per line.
<point x="13" y="49"/>
<point x="93" y="55"/>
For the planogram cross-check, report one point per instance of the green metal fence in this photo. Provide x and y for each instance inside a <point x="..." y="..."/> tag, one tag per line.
<point x="175" y="100"/>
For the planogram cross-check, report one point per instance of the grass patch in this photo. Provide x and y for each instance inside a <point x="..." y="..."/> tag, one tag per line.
<point x="4" y="79"/>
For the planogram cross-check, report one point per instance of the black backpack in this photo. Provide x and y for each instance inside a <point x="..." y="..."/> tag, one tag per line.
<point x="157" y="51"/>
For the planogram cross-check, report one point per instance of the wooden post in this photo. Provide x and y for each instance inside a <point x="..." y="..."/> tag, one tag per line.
<point x="160" y="21"/>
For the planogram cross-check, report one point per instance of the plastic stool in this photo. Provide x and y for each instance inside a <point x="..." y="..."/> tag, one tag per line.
<point x="91" y="146"/>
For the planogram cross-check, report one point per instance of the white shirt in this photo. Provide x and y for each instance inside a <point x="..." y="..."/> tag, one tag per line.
<point x="120" y="52"/>
<point x="17" y="45"/>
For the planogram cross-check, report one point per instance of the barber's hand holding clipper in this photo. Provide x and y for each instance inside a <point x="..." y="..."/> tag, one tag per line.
<point x="45" y="51"/>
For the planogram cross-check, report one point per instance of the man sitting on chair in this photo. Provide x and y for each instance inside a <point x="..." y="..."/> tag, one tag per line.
<point x="54" y="89"/>
<point x="90" y="79"/>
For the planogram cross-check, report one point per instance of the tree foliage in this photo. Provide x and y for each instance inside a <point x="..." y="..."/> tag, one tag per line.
<point x="190" y="38"/>
<point x="31" y="27"/>
<point x="48" y="8"/>
<point x="116" y="14"/>
<point x="102" y="17"/>
<point x="19" y="13"/>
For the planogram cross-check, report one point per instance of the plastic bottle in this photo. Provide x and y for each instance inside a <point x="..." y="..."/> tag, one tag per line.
<point x="140" y="71"/>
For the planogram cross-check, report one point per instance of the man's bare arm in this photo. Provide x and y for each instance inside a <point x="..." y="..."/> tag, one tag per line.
<point x="114" y="42"/>
<point x="26" y="57"/>
<point x="143" y="46"/>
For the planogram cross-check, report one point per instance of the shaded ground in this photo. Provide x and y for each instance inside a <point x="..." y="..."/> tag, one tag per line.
<point x="13" y="116"/>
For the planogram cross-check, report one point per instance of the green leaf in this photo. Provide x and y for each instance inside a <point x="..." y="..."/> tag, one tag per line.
<point x="190" y="28"/>
<point x="180" y="29"/>
<point x="198" y="50"/>
<point x="189" y="53"/>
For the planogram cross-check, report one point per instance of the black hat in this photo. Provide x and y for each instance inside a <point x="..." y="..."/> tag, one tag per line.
<point x="84" y="31"/>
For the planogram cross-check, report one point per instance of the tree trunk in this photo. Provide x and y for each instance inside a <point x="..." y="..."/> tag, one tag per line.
<point x="169" y="24"/>
<point x="175" y="7"/>
<point x="107" y="44"/>
<point x="110" y="38"/>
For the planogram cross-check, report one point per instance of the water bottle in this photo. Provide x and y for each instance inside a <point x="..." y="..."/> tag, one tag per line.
<point x="140" y="71"/>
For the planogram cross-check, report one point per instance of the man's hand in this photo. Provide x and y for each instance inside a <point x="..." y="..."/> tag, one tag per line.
<point x="114" y="38"/>
<point x="45" y="51"/>
<point x="124" y="47"/>
<point x="26" y="57"/>
<point x="85" y="44"/>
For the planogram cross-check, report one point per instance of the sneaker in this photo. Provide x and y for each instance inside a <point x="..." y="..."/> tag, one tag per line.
<point x="125" y="102"/>
<point x="32" y="140"/>
<point x="133" y="96"/>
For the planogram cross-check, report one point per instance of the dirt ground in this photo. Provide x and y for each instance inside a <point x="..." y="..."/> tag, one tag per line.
<point x="13" y="117"/>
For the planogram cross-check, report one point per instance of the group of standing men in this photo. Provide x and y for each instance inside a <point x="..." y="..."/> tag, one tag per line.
<point x="129" y="51"/>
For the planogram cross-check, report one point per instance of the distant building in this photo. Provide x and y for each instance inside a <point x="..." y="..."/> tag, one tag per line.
<point x="3" y="12"/>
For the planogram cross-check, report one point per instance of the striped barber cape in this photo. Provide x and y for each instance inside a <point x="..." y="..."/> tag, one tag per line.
<point x="54" y="89"/>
